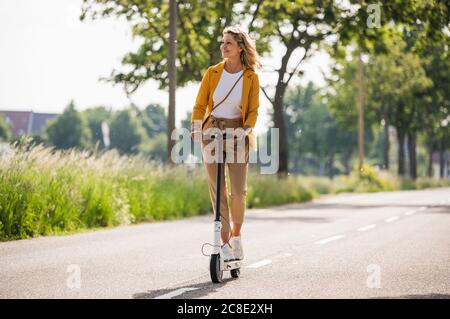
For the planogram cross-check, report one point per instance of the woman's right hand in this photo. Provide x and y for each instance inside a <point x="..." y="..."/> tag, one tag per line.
<point x="196" y="131"/>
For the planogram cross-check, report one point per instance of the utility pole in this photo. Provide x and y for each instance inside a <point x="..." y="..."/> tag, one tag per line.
<point x="172" y="75"/>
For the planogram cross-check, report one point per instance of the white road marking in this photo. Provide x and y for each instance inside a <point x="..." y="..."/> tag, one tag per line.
<point x="175" y="293"/>
<point x="422" y="208"/>
<point x="391" y="219"/>
<point x="329" y="239"/>
<point x="365" y="228"/>
<point x="411" y="212"/>
<point x="283" y="255"/>
<point x="260" y="263"/>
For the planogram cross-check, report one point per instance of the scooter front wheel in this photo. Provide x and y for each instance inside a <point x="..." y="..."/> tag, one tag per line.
<point x="214" y="269"/>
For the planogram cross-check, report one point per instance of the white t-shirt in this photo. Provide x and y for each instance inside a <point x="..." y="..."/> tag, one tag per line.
<point x="230" y="108"/>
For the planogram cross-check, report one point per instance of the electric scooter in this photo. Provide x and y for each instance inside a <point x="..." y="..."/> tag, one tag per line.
<point x="217" y="265"/>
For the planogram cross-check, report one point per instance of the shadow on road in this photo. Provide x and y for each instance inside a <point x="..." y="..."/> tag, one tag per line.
<point x="440" y="209"/>
<point x="300" y="219"/>
<point x="428" y="296"/>
<point x="346" y="206"/>
<point x="206" y="288"/>
<point x="265" y="217"/>
<point x="202" y="289"/>
<point x="254" y="215"/>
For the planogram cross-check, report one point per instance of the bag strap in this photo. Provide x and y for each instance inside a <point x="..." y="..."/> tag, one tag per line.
<point x="214" y="107"/>
<point x="228" y="92"/>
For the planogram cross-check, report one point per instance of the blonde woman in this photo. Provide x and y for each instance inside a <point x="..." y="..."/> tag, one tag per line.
<point x="229" y="98"/>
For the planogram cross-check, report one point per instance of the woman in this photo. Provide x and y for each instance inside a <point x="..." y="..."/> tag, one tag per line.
<point x="229" y="98"/>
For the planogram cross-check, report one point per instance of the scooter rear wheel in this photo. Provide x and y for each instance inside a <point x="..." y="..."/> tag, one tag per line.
<point x="214" y="269"/>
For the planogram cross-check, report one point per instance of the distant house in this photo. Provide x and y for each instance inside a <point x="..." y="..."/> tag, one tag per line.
<point x="27" y="122"/>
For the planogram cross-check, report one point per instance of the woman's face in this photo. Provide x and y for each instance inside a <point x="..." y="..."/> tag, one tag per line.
<point x="229" y="47"/>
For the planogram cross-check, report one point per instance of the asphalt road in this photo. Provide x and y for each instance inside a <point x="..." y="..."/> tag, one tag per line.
<point x="379" y="245"/>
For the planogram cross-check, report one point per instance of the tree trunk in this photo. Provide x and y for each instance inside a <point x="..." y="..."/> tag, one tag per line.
<point x="441" y="158"/>
<point x="346" y="162"/>
<point x="278" y="111"/>
<point x="430" y="162"/>
<point x="401" y="152"/>
<point x="412" y="155"/>
<point x="331" y="165"/>
<point x="172" y="77"/>
<point x="386" y="145"/>
<point x="282" y="133"/>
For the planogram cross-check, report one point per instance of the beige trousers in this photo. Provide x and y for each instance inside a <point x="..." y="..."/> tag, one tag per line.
<point x="235" y="157"/>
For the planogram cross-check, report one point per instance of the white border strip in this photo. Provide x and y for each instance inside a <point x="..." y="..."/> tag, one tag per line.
<point x="175" y="293"/>
<point x="261" y="263"/>
<point x="392" y="219"/>
<point x="367" y="227"/>
<point x="329" y="239"/>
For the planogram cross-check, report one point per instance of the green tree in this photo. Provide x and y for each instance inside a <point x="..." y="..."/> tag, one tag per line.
<point x="341" y="98"/>
<point x="186" y="122"/>
<point x="95" y="116"/>
<point x="395" y="85"/>
<point x="154" y="119"/>
<point x="5" y="129"/>
<point x="126" y="132"/>
<point x="295" y="26"/>
<point x="430" y="16"/>
<point x="157" y="149"/>
<point x="402" y="99"/>
<point x="318" y="144"/>
<point x="39" y="138"/>
<point x="199" y="29"/>
<point x="68" y="130"/>
<point x="436" y="62"/>
<point x="305" y="25"/>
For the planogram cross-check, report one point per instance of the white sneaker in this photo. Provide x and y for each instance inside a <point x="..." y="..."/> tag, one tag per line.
<point x="236" y="244"/>
<point x="227" y="252"/>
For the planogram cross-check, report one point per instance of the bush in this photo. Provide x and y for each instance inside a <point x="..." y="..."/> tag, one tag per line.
<point x="266" y="190"/>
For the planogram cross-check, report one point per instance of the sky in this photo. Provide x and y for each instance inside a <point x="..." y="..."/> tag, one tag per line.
<point x="48" y="58"/>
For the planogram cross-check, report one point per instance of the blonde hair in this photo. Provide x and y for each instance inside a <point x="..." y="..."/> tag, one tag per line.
<point x="249" y="56"/>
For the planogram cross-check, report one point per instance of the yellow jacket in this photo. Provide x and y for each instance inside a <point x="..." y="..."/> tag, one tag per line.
<point x="250" y="95"/>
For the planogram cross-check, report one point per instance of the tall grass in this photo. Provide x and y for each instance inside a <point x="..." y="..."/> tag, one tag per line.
<point x="44" y="191"/>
